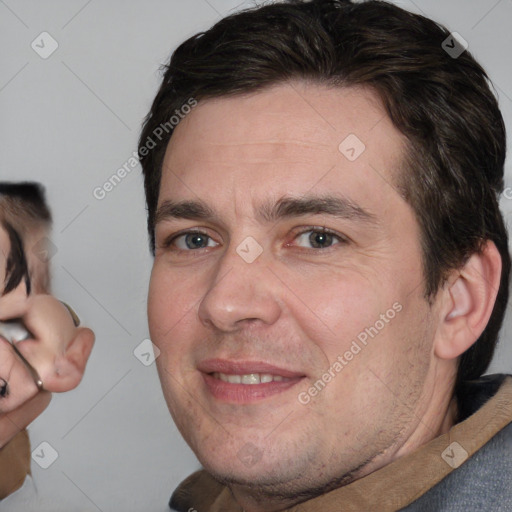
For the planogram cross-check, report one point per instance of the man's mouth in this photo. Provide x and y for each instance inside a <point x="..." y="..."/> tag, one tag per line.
<point x="243" y="382"/>
<point x="249" y="378"/>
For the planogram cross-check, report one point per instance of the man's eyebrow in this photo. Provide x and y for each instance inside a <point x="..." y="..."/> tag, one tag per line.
<point x="193" y="210"/>
<point x="285" y="207"/>
<point x="334" y="206"/>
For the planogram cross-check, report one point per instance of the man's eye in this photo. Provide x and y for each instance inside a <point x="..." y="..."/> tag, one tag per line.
<point x="192" y="240"/>
<point x="318" y="238"/>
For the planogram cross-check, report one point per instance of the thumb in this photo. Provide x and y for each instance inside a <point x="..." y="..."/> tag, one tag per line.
<point x="68" y="368"/>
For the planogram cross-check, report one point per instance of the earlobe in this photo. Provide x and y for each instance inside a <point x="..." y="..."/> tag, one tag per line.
<point x="468" y="301"/>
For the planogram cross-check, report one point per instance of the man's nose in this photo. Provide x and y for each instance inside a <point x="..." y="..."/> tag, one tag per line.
<point x="241" y="291"/>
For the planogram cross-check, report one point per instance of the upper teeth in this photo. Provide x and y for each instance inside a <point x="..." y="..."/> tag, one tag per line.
<point x="250" y="378"/>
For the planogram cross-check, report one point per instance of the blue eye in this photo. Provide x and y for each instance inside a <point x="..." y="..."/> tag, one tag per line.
<point x="319" y="238"/>
<point x="192" y="240"/>
<point x="312" y="238"/>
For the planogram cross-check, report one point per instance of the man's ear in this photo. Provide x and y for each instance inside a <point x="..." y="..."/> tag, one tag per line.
<point x="468" y="299"/>
<point x="69" y="366"/>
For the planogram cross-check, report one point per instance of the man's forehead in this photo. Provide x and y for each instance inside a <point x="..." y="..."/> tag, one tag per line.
<point x="298" y="115"/>
<point x="287" y="139"/>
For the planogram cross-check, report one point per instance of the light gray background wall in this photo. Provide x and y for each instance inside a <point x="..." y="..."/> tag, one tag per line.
<point x="70" y="121"/>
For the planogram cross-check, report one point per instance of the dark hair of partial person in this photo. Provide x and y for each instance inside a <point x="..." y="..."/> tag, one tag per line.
<point x="452" y="172"/>
<point x="20" y="203"/>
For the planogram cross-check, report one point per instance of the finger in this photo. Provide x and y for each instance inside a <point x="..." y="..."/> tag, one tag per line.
<point x="62" y="371"/>
<point x="57" y="351"/>
<point x="52" y="326"/>
<point x="16" y="383"/>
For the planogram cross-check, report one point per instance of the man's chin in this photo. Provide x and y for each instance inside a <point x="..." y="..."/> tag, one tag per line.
<point x="283" y="489"/>
<point x="255" y="466"/>
<point x="247" y="464"/>
<point x="258" y="482"/>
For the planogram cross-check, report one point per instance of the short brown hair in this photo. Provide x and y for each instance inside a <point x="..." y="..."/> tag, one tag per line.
<point x="453" y="172"/>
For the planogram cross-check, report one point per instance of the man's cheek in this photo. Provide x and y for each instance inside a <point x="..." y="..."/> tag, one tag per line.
<point x="161" y="310"/>
<point x="336" y="309"/>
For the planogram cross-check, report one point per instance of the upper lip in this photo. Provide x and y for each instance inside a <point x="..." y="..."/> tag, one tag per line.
<point x="238" y="367"/>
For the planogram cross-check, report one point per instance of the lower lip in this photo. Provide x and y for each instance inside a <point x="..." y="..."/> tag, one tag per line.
<point x="246" y="393"/>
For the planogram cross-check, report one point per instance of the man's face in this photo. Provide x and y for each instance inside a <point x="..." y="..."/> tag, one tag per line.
<point x="219" y="309"/>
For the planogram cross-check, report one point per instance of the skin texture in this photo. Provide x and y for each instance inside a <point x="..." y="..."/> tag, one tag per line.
<point x="297" y="306"/>
<point x="58" y="350"/>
